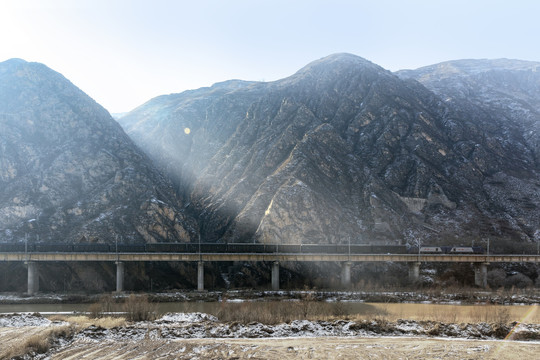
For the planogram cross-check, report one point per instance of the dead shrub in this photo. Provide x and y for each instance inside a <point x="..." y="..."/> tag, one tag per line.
<point x="340" y="309"/>
<point x="518" y="280"/>
<point x="502" y="315"/>
<point x="496" y="278"/>
<point x="105" y="305"/>
<point x="38" y="344"/>
<point x="307" y="307"/>
<point x="139" y="308"/>
<point x="381" y="324"/>
<point x="94" y="311"/>
<point x="381" y="313"/>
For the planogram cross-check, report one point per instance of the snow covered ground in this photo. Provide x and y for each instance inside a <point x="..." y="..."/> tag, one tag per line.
<point x="20" y="320"/>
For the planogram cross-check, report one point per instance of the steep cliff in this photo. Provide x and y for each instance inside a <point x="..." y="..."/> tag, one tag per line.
<point x="69" y="173"/>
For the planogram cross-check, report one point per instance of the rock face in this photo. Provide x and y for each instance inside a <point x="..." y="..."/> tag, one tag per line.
<point x="69" y="173"/>
<point x="344" y="150"/>
<point x="498" y="103"/>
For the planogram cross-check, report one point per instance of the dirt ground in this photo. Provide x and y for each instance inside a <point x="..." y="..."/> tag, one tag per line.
<point x="303" y="348"/>
<point x="282" y="348"/>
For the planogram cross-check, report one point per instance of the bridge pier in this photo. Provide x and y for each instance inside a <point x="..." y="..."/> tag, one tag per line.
<point x="119" y="276"/>
<point x="480" y="274"/>
<point x="414" y="271"/>
<point x="275" y="276"/>
<point x="346" y="274"/>
<point x="200" y="276"/>
<point x="33" y="277"/>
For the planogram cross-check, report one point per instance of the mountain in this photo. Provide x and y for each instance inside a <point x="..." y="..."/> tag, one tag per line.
<point x="345" y="150"/>
<point x="498" y="103"/>
<point x="501" y="96"/>
<point x="341" y="151"/>
<point x="69" y="173"/>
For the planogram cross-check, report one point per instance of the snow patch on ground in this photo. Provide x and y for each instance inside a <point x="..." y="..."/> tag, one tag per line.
<point x="17" y="299"/>
<point x="20" y="320"/>
<point x="186" y="318"/>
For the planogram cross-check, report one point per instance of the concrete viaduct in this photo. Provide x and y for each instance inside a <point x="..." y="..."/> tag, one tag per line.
<point x="414" y="260"/>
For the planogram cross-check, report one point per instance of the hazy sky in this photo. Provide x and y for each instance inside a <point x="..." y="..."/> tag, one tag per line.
<point x="124" y="52"/>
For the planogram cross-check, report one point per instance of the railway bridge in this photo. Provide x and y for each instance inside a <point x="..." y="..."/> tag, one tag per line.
<point x="32" y="259"/>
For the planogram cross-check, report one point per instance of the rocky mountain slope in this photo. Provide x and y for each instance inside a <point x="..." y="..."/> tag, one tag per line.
<point x="344" y="150"/>
<point x="69" y="173"/>
<point x="499" y="104"/>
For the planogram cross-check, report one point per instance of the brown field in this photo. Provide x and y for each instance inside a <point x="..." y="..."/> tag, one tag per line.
<point x="297" y="348"/>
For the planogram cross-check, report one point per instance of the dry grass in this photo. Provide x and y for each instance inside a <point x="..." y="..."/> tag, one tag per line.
<point x="134" y="307"/>
<point x="37" y="343"/>
<point x="41" y="340"/>
<point x="81" y="322"/>
<point x="455" y="314"/>
<point x="277" y="312"/>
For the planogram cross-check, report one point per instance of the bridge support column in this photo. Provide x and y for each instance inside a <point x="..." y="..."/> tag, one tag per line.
<point x="119" y="276"/>
<point x="33" y="278"/>
<point x="414" y="271"/>
<point x="275" y="275"/>
<point x="346" y="274"/>
<point x="480" y="274"/>
<point x="200" y="276"/>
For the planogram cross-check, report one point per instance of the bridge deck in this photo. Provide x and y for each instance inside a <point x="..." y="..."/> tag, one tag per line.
<point x="281" y="257"/>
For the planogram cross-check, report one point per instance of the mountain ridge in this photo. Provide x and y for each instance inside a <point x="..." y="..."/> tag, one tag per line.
<point x="404" y="138"/>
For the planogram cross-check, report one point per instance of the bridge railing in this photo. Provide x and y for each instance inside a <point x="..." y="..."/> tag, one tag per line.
<point x="220" y="248"/>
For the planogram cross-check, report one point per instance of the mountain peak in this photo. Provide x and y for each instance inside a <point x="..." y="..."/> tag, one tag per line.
<point x="15" y="61"/>
<point x="339" y="61"/>
<point x="342" y="58"/>
<point x="9" y="65"/>
<point x="332" y="67"/>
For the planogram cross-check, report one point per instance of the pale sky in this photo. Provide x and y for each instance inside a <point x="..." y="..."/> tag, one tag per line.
<point x="124" y="52"/>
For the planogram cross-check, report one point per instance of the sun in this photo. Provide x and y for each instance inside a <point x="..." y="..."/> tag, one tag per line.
<point x="187" y="131"/>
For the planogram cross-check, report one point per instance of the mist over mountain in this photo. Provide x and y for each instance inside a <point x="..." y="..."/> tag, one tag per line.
<point x="344" y="150"/>
<point x="69" y="173"/>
